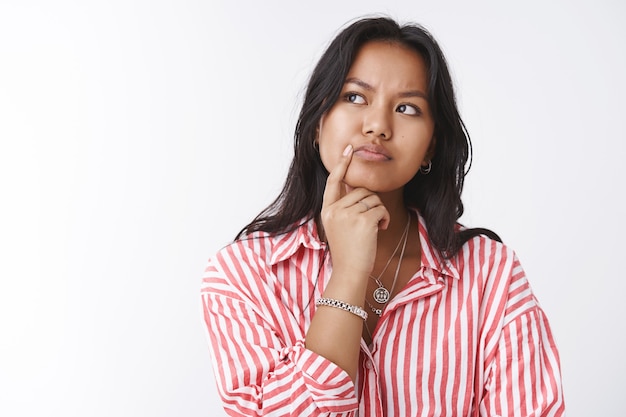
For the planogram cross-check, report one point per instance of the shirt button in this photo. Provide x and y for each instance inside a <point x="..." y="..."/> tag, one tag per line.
<point x="368" y="364"/>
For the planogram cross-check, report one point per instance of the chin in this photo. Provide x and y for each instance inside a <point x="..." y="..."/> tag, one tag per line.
<point x="372" y="184"/>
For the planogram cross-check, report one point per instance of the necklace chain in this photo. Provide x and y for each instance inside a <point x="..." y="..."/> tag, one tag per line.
<point x="381" y="295"/>
<point x="377" y="311"/>
<point x="377" y="279"/>
<point x="367" y="329"/>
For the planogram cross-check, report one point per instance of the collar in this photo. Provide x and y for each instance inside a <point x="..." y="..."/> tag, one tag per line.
<point x="287" y="244"/>
<point x="306" y="235"/>
<point x="431" y="258"/>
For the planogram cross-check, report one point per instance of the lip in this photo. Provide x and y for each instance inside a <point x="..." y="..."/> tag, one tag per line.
<point x="371" y="152"/>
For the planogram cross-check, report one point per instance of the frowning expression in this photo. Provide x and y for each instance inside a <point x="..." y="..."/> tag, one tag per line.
<point x="383" y="113"/>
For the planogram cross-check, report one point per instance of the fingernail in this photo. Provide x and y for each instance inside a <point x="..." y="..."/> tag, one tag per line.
<point x="347" y="151"/>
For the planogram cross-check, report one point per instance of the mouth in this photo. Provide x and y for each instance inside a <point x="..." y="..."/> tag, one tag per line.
<point x="374" y="153"/>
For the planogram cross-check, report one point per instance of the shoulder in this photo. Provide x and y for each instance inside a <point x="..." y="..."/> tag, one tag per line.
<point x="496" y="271"/>
<point x="486" y="254"/>
<point x="491" y="266"/>
<point x="261" y="250"/>
<point x="239" y="269"/>
<point x="249" y="250"/>
<point x="252" y="265"/>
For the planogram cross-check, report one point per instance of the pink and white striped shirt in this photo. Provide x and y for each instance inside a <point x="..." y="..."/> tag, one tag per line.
<point x="465" y="337"/>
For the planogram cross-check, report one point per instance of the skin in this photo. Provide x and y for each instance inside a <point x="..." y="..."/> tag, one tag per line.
<point x="372" y="141"/>
<point x="372" y="110"/>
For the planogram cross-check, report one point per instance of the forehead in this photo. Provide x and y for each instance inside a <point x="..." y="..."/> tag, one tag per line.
<point x="391" y="64"/>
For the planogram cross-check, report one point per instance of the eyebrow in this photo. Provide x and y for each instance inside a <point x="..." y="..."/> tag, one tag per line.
<point x="404" y="94"/>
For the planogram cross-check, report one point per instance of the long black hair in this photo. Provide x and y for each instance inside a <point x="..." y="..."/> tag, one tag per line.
<point x="436" y="195"/>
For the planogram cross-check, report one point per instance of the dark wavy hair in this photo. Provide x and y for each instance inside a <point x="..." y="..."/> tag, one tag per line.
<point x="437" y="195"/>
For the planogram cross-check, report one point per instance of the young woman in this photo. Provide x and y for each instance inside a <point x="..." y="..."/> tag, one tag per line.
<point x="357" y="292"/>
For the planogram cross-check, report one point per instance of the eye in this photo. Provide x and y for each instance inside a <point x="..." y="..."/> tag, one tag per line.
<point x="409" y="109"/>
<point x="354" y="98"/>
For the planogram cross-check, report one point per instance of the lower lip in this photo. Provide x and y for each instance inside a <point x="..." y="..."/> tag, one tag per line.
<point x="371" y="156"/>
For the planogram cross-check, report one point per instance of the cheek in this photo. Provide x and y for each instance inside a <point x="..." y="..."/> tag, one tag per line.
<point x="413" y="160"/>
<point x="329" y="156"/>
<point x="334" y="136"/>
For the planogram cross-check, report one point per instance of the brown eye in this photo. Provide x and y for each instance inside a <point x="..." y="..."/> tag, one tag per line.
<point x="354" y="98"/>
<point x="408" y="109"/>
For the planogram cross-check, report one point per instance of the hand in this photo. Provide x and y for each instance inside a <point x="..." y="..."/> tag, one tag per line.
<point x="351" y="220"/>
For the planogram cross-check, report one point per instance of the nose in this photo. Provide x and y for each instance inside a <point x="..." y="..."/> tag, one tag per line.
<point x="376" y="123"/>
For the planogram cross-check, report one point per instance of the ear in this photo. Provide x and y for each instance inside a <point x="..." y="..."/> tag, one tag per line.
<point x="316" y="141"/>
<point x="430" y="153"/>
<point x="318" y="130"/>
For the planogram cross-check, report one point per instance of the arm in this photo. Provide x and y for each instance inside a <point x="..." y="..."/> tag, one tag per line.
<point x="260" y="369"/>
<point x="523" y="375"/>
<point x="264" y="363"/>
<point x="524" y="378"/>
<point x="336" y="334"/>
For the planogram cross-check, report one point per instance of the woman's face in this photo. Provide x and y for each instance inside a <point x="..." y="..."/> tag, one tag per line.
<point x="384" y="114"/>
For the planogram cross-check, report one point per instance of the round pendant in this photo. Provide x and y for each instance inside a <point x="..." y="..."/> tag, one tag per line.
<point x="381" y="295"/>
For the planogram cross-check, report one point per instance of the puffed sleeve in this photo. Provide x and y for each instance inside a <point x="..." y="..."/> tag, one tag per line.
<point x="523" y="376"/>
<point x="257" y="346"/>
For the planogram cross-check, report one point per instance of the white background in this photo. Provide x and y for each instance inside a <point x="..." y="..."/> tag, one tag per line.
<point x="137" y="138"/>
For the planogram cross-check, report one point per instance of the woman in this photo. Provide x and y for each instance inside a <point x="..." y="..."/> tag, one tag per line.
<point x="356" y="292"/>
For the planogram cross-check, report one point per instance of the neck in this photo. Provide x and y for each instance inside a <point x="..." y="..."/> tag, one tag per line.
<point x="398" y="213"/>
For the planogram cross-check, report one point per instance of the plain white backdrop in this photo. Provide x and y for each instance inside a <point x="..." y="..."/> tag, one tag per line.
<point x="138" y="137"/>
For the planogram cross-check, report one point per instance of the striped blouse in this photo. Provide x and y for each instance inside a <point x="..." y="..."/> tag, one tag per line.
<point x="465" y="337"/>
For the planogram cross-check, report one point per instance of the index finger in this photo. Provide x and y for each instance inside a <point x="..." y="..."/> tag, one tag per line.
<point x="334" y="185"/>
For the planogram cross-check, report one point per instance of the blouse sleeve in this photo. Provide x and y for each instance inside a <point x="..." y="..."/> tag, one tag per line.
<point x="523" y="376"/>
<point x="257" y="348"/>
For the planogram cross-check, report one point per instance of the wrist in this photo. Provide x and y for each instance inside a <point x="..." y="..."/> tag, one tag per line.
<point x="348" y="287"/>
<point x="350" y="274"/>
<point x="331" y="302"/>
